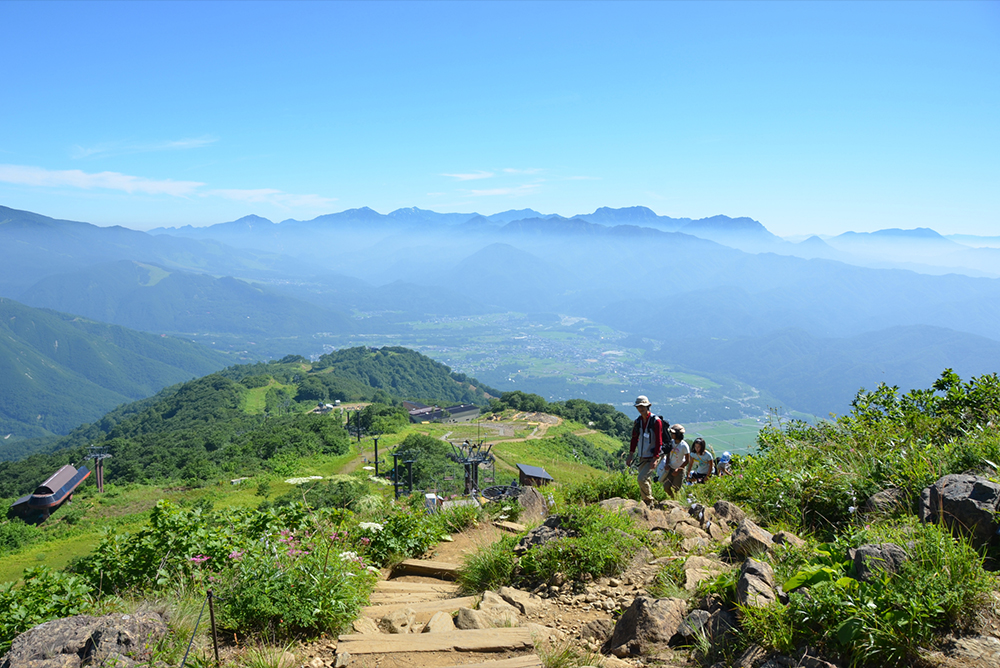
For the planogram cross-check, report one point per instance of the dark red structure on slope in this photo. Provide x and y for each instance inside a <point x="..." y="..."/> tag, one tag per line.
<point x="56" y="490"/>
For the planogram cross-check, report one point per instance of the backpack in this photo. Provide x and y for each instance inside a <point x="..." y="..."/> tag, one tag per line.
<point x="665" y="439"/>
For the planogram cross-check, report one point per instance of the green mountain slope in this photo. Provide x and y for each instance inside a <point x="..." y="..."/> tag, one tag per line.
<point x="152" y="298"/>
<point x="59" y="370"/>
<point x="246" y="418"/>
<point x="402" y="372"/>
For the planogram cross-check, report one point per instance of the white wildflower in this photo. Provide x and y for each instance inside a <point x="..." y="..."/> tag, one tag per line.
<point x="302" y="481"/>
<point x="374" y="570"/>
<point x="349" y="556"/>
<point x="502" y="517"/>
<point x="370" y="526"/>
<point x="851" y="509"/>
<point x="381" y="481"/>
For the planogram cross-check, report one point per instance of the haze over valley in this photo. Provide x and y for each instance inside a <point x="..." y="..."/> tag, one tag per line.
<point x="717" y="319"/>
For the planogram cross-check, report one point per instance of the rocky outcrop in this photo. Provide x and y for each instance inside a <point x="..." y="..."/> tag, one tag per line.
<point x="756" y="587"/>
<point x="120" y="640"/>
<point x="873" y="559"/>
<point x="889" y="500"/>
<point x="533" y="505"/>
<point x="728" y="513"/>
<point x="967" y="504"/>
<point x="550" y="529"/>
<point x="749" y="540"/>
<point x="646" y="623"/>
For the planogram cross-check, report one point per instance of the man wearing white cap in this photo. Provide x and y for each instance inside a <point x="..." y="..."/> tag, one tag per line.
<point x="647" y="437"/>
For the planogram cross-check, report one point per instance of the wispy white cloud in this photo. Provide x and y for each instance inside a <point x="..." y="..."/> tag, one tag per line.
<point x="274" y="197"/>
<point x="75" y="178"/>
<point x="471" y="177"/>
<point x="125" y="148"/>
<point x="516" y="190"/>
<point x="530" y="170"/>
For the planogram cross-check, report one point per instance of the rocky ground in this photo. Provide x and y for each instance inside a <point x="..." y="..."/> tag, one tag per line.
<point x="419" y="619"/>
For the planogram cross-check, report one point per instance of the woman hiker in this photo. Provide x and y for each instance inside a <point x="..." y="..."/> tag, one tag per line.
<point x="701" y="455"/>
<point x="677" y="461"/>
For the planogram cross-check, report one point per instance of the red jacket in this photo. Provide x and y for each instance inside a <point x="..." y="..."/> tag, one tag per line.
<point x="656" y="434"/>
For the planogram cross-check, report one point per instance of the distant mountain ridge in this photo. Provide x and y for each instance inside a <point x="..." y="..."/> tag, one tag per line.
<point x="58" y="370"/>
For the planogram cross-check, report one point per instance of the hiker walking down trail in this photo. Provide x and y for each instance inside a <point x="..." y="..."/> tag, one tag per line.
<point x="647" y="438"/>
<point x="677" y="461"/>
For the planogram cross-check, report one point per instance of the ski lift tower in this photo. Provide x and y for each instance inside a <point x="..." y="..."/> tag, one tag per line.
<point x="99" y="454"/>
<point x="471" y="456"/>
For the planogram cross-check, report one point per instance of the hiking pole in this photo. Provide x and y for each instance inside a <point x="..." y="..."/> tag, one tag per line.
<point x="215" y="635"/>
<point x="196" y="624"/>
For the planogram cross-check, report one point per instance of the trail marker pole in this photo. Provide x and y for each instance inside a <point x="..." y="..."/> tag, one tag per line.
<point x="215" y="635"/>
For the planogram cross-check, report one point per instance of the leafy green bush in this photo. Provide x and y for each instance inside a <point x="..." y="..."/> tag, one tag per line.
<point x="163" y="552"/>
<point x="458" y="518"/>
<point x="490" y="567"/>
<point x="605" y="543"/>
<point x="342" y="491"/>
<point x="403" y="533"/>
<point x="593" y="490"/>
<point x="44" y="594"/>
<point x="294" y="584"/>
<point x="15" y="534"/>
<point x="880" y="621"/>
<point x="815" y="477"/>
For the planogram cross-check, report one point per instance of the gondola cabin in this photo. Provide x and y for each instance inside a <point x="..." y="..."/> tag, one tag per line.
<point x="56" y="490"/>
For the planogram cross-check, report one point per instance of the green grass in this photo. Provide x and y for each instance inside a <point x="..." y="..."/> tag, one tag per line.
<point x="736" y="436"/>
<point x="127" y="507"/>
<point x="527" y="452"/>
<point x="691" y="379"/>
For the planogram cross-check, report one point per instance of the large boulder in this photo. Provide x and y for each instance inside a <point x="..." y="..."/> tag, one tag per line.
<point x="891" y="500"/>
<point x="526" y="602"/>
<point x="646" y="623"/>
<point x="756" y="587"/>
<point x="967" y="504"/>
<point x="498" y="611"/>
<point x="598" y="629"/>
<point x="872" y="559"/>
<point x="749" y="540"/>
<point x="728" y="513"/>
<point x="120" y="640"/>
<point x="533" y="505"/>
<point x="697" y="568"/>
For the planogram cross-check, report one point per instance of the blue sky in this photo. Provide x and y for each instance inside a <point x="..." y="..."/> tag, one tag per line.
<point x="809" y="117"/>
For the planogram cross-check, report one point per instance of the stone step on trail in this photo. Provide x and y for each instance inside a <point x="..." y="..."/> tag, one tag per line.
<point x="393" y="591"/>
<point x="527" y="661"/>
<point x="423" y="610"/>
<point x="476" y="640"/>
<point x="512" y="527"/>
<point x="427" y="567"/>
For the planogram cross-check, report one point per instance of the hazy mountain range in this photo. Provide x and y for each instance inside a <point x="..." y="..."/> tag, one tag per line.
<point x="720" y="295"/>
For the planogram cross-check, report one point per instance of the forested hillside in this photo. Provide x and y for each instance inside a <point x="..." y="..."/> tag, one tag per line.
<point x="400" y="372"/>
<point x="246" y="418"/>
<point x="59" y="370"/>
